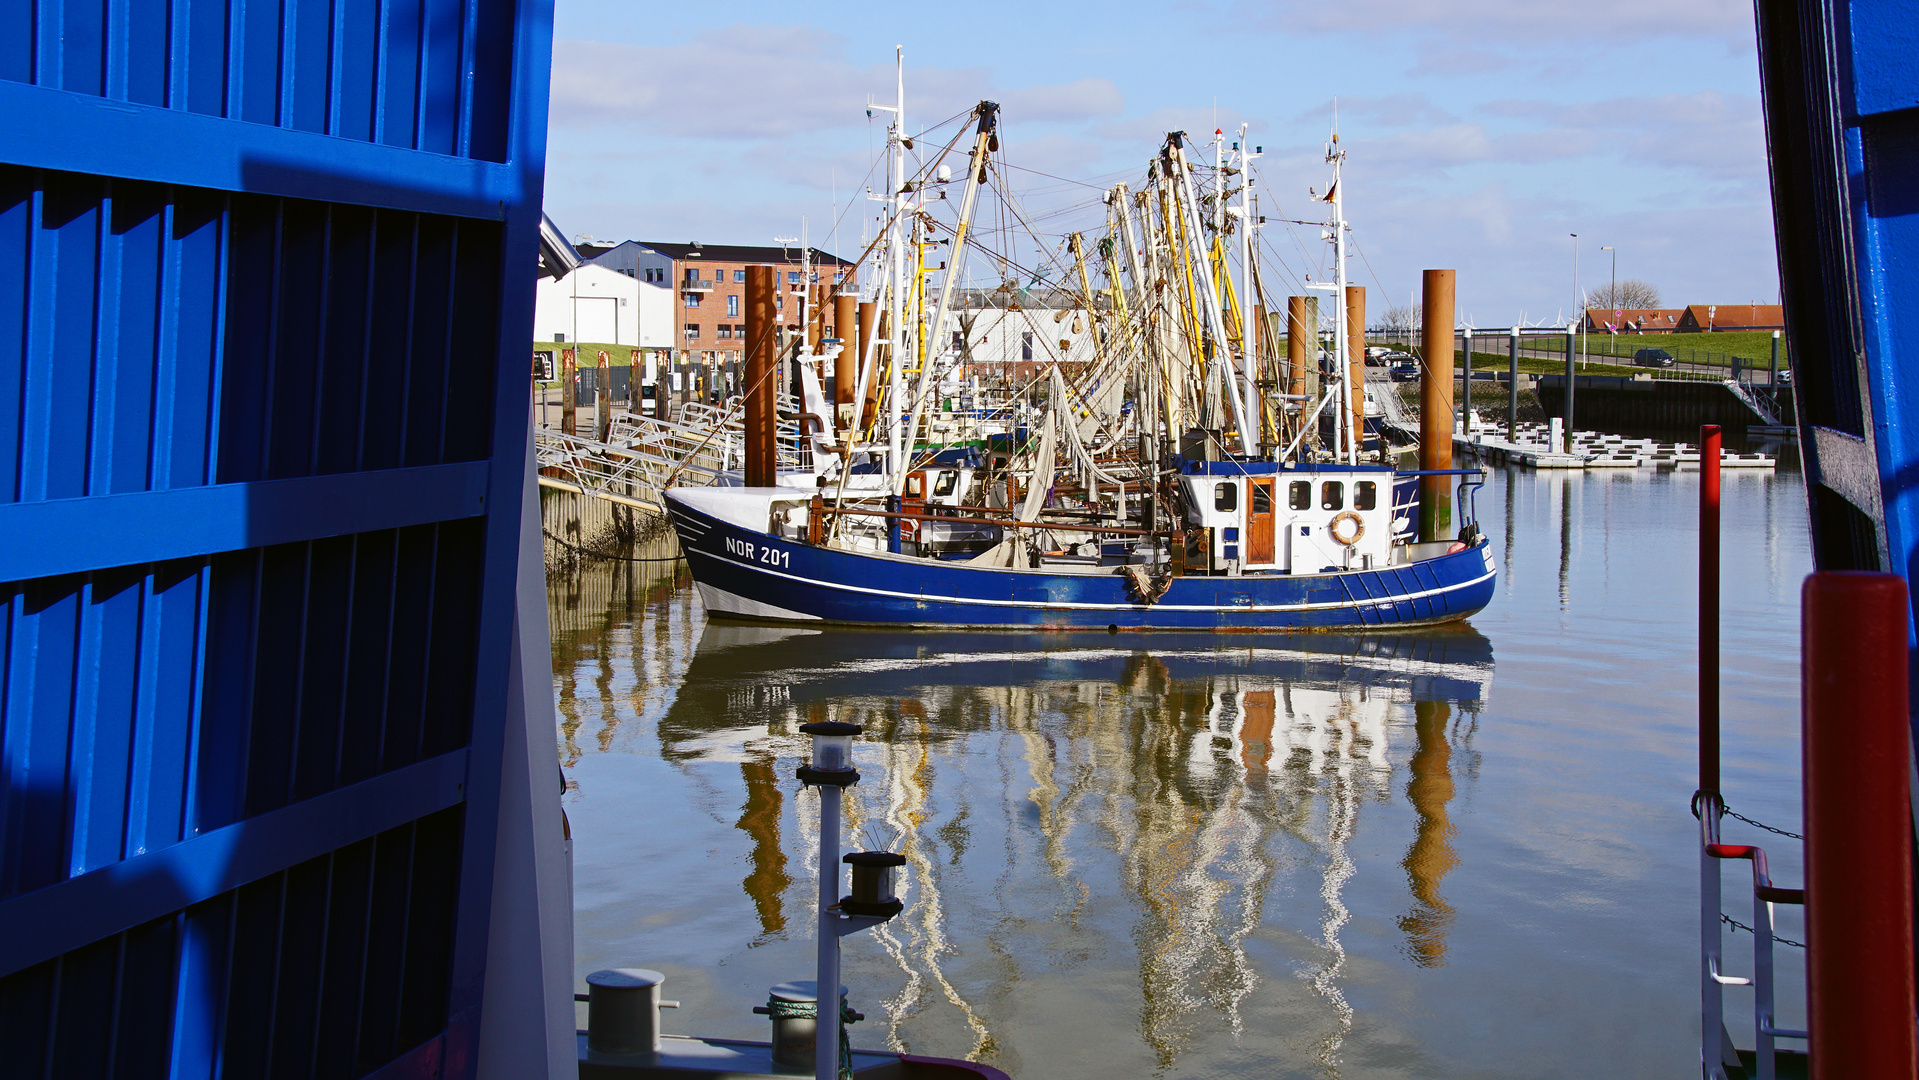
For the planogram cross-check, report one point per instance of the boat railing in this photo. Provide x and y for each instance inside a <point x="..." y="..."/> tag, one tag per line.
<point x="1717" y="1052"/>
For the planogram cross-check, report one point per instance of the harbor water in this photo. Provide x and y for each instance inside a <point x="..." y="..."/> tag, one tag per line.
<point x="1462" y="852"/>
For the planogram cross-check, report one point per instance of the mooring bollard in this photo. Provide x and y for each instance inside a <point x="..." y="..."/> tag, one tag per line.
<point x="794" y="1009"/>
<point x="623" y="1011"/>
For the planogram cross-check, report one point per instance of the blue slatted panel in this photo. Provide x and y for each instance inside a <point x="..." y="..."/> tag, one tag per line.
<point x="393" y="72"/>
<point x="259" y="399"/>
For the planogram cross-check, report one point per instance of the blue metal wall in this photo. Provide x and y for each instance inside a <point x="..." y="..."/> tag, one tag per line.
<point x="1841" y="81"/>
<point x="265" y="299"/>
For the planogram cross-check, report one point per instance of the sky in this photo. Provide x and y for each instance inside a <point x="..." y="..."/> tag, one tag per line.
<point x="1480" y="134"/>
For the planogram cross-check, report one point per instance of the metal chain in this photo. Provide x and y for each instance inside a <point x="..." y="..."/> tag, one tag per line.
<point x="1737" y="925"/>
<point x="1727" y="810"/>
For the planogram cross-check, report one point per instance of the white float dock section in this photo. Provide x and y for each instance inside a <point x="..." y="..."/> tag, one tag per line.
<point x="1539" y="446"/>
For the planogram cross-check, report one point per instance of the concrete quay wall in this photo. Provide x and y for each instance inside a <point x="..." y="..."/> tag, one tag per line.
<point x="1623" y="403"/>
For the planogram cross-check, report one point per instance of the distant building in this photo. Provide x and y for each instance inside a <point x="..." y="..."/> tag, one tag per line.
<point x="597" y="304"/>
<point x="1011" y="338"/>
<point x="1633" y="320"/>
<point x="1703" y="318"/>
<point x="707" y="283"/>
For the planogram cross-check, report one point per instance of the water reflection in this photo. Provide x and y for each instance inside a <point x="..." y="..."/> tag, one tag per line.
<point x="1051" y="791"/>
<point x="1210" y="857"/>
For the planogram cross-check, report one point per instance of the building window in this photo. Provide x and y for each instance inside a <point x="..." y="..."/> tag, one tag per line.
<point x="724" y="332"/>
<point x="792" y="277"/>
<point x="739" y="276"/>
<point x="733" y="306"/>
<point x="1026" y="345"/>
<point x="692" y="331"/>
<point x="692" y="299"/>
<point x="779" y="301"/>
<point x="959" y="340"/>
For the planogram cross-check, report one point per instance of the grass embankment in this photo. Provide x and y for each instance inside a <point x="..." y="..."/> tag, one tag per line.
<point x="1752" y="347"/>
<point x="589" y="354"/>
<point x="1535" y="365"/>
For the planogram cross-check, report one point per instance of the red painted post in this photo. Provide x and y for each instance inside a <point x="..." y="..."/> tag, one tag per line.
<point x="1857" y="751"/>
<point x="1709" y="608"/>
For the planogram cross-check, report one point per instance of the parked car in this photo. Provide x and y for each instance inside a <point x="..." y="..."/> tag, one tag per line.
<point x="1652" y="358"/>
<point x="1403" y="370"/>
<point x="1785" y="377"/>
<point x="1376" y="354"/>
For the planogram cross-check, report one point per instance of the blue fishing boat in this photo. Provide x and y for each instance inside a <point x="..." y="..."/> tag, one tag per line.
<point x="1267" y="548"/>
<point x="1179" y="473"/>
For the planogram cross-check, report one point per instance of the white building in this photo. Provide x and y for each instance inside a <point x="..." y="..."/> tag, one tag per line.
<point x="602" y="305"/>
<point x="1019" y="343"/>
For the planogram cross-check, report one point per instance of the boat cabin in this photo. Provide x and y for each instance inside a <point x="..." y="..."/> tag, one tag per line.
<point x="1308" y="519"/>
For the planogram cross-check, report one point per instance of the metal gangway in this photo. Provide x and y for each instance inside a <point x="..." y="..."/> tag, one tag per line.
<point x="642" y="455"/>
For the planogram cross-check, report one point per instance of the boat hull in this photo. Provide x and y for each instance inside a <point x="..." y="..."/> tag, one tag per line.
<point x="742" y="573"/>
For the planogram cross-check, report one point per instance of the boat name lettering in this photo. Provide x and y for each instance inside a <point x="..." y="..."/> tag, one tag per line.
<point x="751" y="552"/>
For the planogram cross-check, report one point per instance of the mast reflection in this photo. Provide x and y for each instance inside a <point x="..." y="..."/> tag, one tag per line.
<point x="1188" y="781"/>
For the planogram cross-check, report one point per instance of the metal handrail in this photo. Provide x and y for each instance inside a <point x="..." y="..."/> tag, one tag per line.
<point x="1763" y="981"/>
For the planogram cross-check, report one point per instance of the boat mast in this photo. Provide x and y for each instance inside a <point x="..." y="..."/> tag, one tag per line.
<point x="896" y="251"/>
<point x="1334" y="156"/>
<point x="1208" y="294"/>
<point x="986" y="139"/>
<point x="1248" y="298"/>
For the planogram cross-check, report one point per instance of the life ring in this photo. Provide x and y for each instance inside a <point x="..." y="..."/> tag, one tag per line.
<point x="1359" y="528"/>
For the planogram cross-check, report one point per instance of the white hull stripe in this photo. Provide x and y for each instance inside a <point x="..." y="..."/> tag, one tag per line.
<point x="1045" y="605"/>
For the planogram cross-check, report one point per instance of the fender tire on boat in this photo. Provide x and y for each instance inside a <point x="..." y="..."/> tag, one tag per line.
<point x="1359" y="528"/>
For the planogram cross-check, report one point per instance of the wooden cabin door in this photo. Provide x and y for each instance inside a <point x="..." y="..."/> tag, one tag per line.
<point x="1259" y="522"/>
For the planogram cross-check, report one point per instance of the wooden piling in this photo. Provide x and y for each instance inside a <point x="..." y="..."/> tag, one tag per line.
<point x="1436" y="406"/>
<point x="762" y="384"/>
<point x="1356" y="360"/>
<point x="846" y="369"/>
<point x="1298" y="334"/>
<point x="569" y="392"/>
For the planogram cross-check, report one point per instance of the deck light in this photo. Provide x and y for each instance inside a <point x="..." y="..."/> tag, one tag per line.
<point x="832" y="754"/>
<point x="873" y="880"/>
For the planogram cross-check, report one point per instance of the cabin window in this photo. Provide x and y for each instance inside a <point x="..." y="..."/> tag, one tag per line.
<point x="949" y="479"/>
<point x="1225" y="497"/>
<point x="1262" y="499"/>
<point x="1365" y="495"/>
<point x="1299" y="495"/>
<point x="1332" y="495"/>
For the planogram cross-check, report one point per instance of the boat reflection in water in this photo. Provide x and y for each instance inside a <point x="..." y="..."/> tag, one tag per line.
<point x="1103" y="834"/>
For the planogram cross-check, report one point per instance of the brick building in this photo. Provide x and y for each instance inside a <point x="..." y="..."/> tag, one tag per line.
<point x="1702" y="318"/>
<point x="709" y="288"/>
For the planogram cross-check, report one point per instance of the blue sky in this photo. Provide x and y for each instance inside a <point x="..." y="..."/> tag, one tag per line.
<point x="1480" y="133"/>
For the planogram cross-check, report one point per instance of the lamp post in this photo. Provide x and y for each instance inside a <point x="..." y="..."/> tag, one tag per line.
<point x="871" y="903"/>
<point x="1614" y="298"/>
<point x="1579" y="304"/>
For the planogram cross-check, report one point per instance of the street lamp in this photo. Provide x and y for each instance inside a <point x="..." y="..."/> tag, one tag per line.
<point x="1614" y="298"/>
<point x="1578" y="304"/>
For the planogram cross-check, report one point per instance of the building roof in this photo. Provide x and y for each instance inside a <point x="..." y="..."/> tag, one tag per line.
<point x="1640" y="319"/>
<point x="771" y="255"/>
<point x="1733" y="317"/>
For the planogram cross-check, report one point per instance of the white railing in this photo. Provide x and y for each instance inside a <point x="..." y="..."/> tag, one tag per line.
<point x="1716" y="1050"/>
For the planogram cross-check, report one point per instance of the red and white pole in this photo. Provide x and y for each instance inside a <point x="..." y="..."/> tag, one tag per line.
<point x="1709" y="441"/>
<point x="1857" y="745"/>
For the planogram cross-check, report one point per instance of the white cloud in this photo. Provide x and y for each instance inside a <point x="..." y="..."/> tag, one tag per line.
<point x="759" y="82"/>
<point x="1528" y="21"/>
